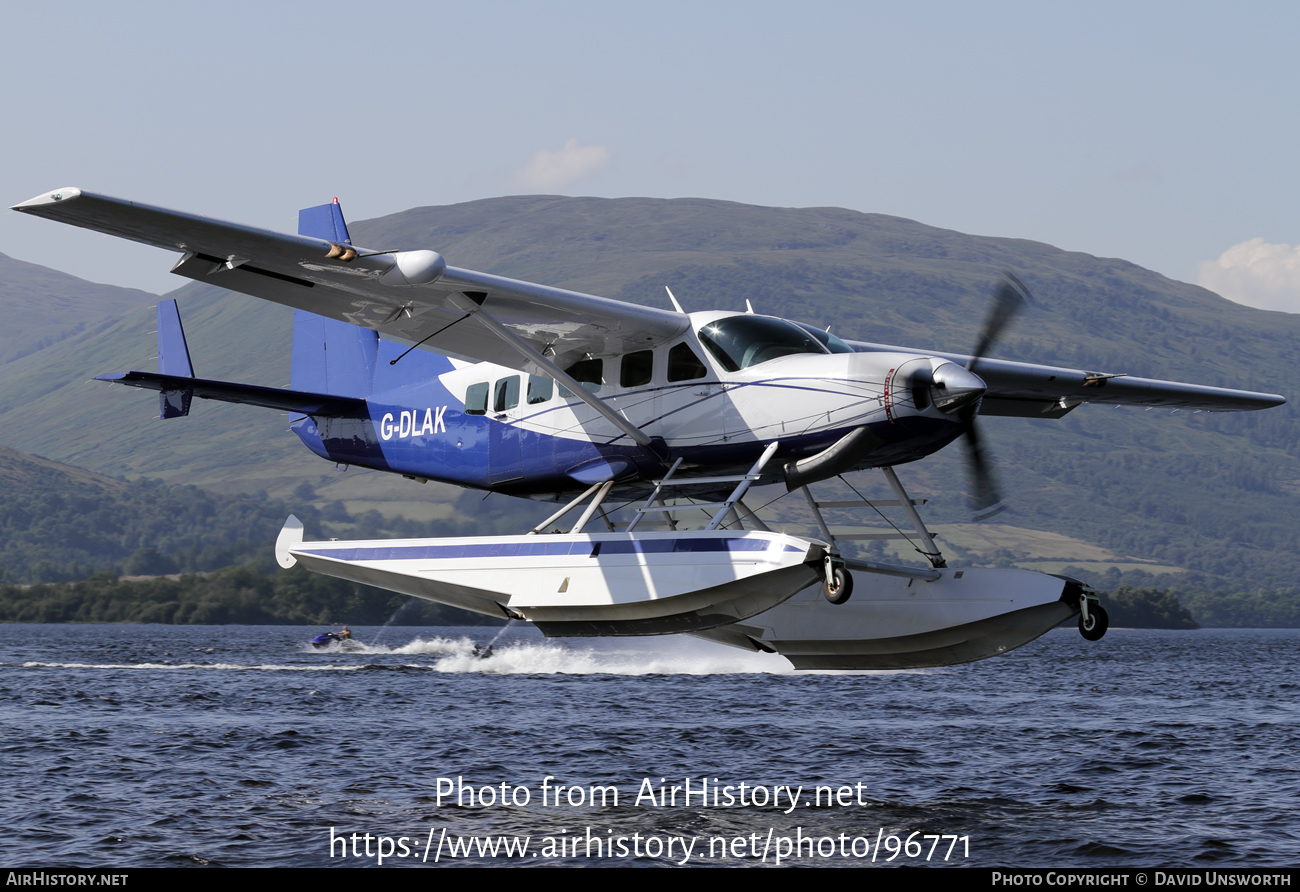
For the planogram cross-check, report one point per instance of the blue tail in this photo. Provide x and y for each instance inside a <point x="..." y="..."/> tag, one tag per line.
<point x="330" y="356"/>
<point x="324" y="221"/>
<point x="173" y="359"/>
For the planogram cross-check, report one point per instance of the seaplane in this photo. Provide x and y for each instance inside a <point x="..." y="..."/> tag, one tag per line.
<point x="404" y="364"/>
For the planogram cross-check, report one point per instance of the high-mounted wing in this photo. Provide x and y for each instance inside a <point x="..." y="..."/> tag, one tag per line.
<point x="415" y="296"/>
<point x="1028" y="390"/>
<point x="409" y="295"/>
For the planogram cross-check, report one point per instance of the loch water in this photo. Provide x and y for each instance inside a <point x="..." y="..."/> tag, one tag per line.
<point x="243" y="746"/>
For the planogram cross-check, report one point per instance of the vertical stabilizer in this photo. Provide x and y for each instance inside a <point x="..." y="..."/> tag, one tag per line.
<point x="173" y="359"/>
<point x="324" y="221"/>
<point x="330" y="356"/>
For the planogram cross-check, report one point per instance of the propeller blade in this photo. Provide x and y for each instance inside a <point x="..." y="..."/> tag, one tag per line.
<point x="1010" y="298"/>
<point x="987" y="502"/>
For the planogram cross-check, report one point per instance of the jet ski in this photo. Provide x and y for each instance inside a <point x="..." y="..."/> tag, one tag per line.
<point x="343" y="639"/>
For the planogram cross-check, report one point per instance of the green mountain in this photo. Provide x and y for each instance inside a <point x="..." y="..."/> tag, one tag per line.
<point x="1216" y="497"/>
<point x="45" y="307"/>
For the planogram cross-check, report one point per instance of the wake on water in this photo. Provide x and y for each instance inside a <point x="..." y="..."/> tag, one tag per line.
<point x="658" y="656"/>
<point x="667" y="655"/>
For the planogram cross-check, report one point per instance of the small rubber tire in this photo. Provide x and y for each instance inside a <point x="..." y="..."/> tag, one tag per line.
<point x="843" y="588"/>
<point x="1098" y="623"/>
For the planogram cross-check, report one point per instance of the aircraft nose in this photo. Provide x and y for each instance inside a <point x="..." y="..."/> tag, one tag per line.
<point x="954" y="388"/>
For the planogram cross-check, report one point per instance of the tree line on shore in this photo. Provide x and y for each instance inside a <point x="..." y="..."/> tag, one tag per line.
<point x="247" y="596"/>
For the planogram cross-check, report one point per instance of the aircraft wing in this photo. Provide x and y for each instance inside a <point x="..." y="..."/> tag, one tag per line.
<point x="1028" y="390"/>
<point x="408" y="295"/>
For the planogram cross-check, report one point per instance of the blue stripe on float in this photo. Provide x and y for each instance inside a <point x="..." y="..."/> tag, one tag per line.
<point x="539" y="549"/>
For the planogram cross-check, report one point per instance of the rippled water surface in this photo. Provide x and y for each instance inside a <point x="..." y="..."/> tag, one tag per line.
<point x="159" y="745"/>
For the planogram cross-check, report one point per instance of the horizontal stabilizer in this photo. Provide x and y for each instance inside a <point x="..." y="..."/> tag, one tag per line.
<point x="248" y="394"/>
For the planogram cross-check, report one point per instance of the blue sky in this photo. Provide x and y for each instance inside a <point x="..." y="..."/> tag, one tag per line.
<point x="1163" y="133"/>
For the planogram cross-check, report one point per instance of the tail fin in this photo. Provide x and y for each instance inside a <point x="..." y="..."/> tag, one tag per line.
<point x="324" y="221"/>
<point x="330" y="356"/>
<point x="173" y="359"/>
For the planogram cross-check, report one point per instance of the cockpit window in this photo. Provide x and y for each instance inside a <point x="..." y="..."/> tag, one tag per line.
<point x="829" y="341"/>
<point x="684" y="365"/>
<point x="739" y="342"/>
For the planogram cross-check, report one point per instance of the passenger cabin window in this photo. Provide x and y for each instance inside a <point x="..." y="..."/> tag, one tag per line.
<point x="636" y="369"/>
<point x="684" y="365"/>
<point x="739" y="342"/>
<point x="540" y="389"/>
<point x="590" y="373"/>
<point x="476" y="399"/>
<point x="506" y="395"/>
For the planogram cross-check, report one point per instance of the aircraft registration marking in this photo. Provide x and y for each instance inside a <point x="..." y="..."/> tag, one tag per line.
<point x="405" y="424"/>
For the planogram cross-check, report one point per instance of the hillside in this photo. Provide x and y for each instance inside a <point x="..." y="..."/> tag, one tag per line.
<point x="44" y="307"/>
<point x="1218" y="495"/>
<point x="59" y="522"/>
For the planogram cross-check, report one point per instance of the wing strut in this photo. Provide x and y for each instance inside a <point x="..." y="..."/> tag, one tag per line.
<point x="471" y="302"/>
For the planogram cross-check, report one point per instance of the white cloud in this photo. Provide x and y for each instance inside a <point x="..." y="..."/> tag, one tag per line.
<point x="551" y="170"/>
<point x="1257" y="274"/>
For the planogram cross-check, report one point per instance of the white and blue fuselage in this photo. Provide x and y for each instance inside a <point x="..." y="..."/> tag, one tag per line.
<point x="489" y="426"/>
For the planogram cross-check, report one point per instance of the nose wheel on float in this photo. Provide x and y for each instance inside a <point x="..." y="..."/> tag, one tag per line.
<point x="1093" y="621"/>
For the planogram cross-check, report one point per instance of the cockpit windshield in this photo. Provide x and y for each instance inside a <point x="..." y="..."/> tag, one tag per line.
<point x="739" y="342"/>
<point x="829" y="341"/>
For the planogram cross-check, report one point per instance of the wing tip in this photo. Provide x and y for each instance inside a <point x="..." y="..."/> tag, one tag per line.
<point x="45" y="199"/>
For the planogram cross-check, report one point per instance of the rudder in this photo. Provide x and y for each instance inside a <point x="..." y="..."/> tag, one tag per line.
<point x="330" y="356"/>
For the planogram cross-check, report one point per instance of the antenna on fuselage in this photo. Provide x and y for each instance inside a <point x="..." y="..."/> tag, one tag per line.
<point x="676" y="305"/>
<point x="749" y="308"/>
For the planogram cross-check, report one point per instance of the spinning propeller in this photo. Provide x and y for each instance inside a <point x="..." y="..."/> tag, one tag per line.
<point x="1011" y="297"/>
